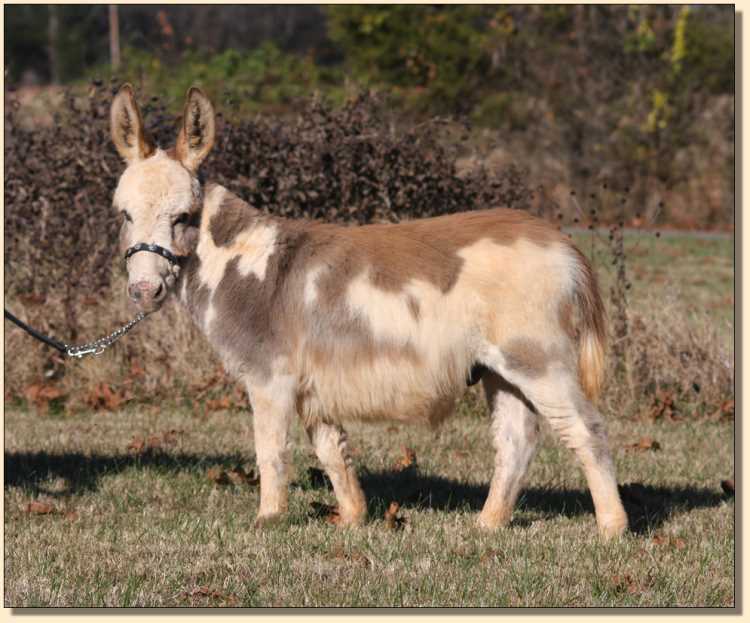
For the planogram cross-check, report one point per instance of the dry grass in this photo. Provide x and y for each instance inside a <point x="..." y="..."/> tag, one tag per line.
<point x="134" y="527"/>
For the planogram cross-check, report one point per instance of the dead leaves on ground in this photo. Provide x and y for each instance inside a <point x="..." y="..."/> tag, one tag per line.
<point x="236" y="476"/>
<point x="139" y="445"/>
<point x="202" y="594"/>
<point x="104" y="396"/>
<point x="40" y="507"/>
<point x="352" y="556"/>
<point x="643" y="444"/>
<point x="662" y="540"/>
<point x="41" y="394"/>
<point x="727" y="486"/>
<point x="408" y="460"/>
<point x="725" y="411"/>
<point x="663" y="406"/>
<point x="393" y="521"/>
<point x="325" y="511"/>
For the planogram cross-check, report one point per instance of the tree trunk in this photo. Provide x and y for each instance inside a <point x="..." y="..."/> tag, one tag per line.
<point x="114" y="37"/>
<point x="53" y="29"/>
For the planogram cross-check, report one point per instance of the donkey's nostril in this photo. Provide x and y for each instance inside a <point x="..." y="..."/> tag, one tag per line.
<point x="135" y="293"/>
<point x="159" y="292"/>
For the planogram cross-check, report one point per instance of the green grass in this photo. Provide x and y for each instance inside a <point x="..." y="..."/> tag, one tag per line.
<point x="152" y="529"/>
<point x="698" y="273"/>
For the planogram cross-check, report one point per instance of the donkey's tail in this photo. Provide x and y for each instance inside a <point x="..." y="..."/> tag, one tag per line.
<point x="593" y="328"/>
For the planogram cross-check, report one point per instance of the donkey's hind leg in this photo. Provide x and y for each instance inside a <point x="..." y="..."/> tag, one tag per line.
<point x="331" y="448"/>
<point x="555" y="392"/>
<point x="515" y="432"/>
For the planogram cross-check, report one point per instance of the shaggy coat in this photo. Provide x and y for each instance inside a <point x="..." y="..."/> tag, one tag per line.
<point x="380" y="322"/>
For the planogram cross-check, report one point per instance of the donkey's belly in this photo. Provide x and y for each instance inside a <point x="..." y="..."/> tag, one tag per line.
<point x="385" y="389"/>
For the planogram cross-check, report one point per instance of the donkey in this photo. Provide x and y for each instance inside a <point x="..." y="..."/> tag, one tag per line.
<point x="378" y="322"/>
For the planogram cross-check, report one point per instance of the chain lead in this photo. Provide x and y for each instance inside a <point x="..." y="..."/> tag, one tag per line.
<point x="97" y="347"/>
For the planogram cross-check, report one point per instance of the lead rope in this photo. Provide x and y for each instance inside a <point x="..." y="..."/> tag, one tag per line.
<point x="97" y="347"/>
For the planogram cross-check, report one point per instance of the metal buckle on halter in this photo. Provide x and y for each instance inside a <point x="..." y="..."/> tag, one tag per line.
<point x="153" y="248"/>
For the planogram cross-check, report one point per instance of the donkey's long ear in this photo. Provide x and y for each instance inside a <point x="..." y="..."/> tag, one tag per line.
<point x="126" y="127"/>
<point x="198" y="131"/>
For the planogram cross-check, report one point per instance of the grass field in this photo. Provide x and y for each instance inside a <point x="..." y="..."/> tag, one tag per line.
<point x="149" y="507"/>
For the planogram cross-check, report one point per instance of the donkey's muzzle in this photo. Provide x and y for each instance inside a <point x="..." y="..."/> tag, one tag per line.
<point x="146" y="294"/>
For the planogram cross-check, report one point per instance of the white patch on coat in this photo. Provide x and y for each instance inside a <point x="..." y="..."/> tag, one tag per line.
<point x="311" y="286"/>
<point x="254" y="246"/>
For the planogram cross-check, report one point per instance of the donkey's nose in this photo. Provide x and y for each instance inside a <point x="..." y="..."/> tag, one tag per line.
<point x="146" y="292"/>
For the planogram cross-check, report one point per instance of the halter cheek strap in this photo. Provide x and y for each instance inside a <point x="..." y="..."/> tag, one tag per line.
<point x="153" y="248"/>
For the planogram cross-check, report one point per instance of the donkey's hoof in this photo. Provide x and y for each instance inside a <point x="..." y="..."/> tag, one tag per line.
<point x="350" y="520"/>
<point x="613" y="528"/>
<point x="493" y="521"/>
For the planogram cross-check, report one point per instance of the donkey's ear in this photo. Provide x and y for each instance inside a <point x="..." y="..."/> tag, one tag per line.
<point x="198" y="131"/>
<point x="126" y="127"/>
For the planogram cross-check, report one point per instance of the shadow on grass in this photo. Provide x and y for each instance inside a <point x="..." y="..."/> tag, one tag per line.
<point x="82" y="472"/>
<point x="648" y="506"/>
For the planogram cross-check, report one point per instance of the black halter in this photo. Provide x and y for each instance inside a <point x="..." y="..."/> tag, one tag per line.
<point x="154" y="248"/>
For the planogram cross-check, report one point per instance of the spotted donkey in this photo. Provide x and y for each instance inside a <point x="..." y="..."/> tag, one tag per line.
<point x="377" y="322"/>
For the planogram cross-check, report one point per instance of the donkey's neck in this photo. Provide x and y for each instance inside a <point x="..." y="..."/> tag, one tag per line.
<point x="231" y="231"/>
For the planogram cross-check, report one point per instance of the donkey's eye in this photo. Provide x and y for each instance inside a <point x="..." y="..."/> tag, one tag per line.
<point x="127" y="216"/>
<point x="182" y="218"/>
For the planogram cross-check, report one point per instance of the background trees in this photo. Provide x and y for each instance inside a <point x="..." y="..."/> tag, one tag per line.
<point x="640" y="96"/>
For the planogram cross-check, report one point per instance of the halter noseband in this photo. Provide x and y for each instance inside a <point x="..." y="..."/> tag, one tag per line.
<point x="153" y="248"/>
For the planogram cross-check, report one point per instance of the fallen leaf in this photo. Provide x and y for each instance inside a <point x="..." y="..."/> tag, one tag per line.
<point x="625" y="582"/>
<point x="728" y="486"/>
<point x="238" y="476"/>
<point x="32" y="298"/>
<point x="203" y="592"/>
<point x="102" y="396"/>
<point x="137" y="444"/>
<point x="219" y="404"/>
<point x="645" y="443"/>
<point x="676" y="542"/>
<point x="392" y="520"/>
<point x="407" y="460"/>
<point x="339" y="553"/>
<point x="71" y="516"/>
<point x="40" y="395"/>
<point x="663" y="406"/>
<point x="218" y="475"/>
<point x="327" y="512"/>
<point x="725" y="410"/>
<point x="39" y="508"/>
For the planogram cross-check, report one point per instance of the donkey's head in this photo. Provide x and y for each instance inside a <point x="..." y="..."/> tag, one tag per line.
<point x="159" y="194"/>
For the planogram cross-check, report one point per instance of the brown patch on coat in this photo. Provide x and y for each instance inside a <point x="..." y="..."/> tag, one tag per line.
<point x="527" y="356"/>
<point x="232" y="217"/>
<point x="413" y="305"/>
<point x="197" y="294"/>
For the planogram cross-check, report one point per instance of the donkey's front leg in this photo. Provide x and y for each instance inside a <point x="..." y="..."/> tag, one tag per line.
<point x="273" y="411"/>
